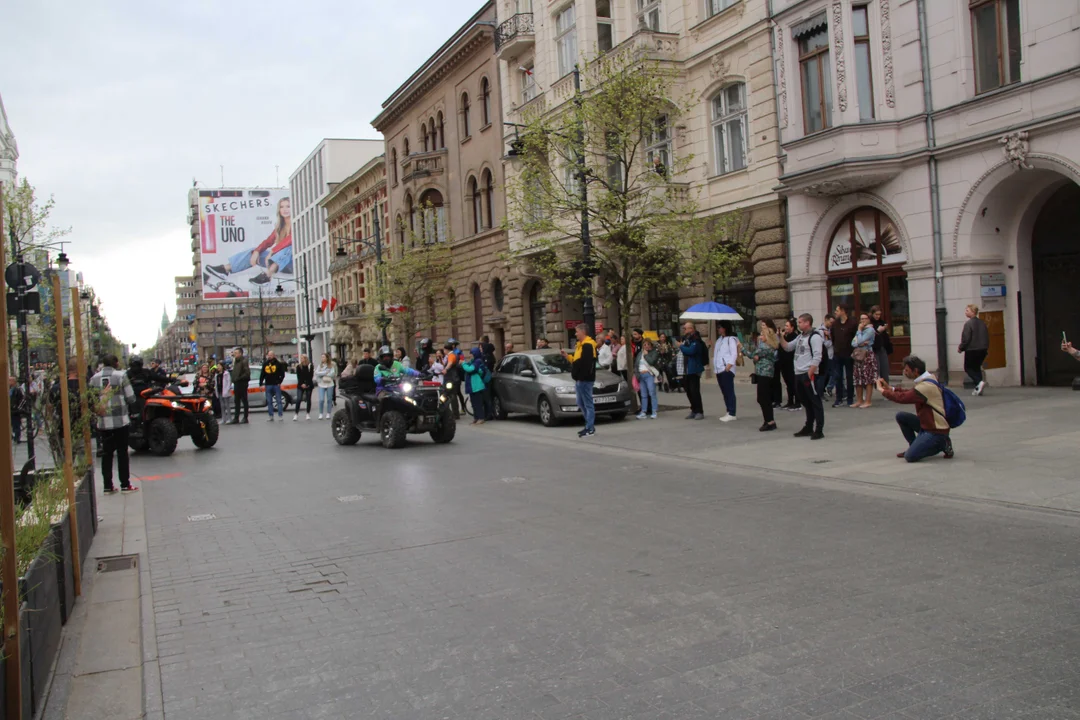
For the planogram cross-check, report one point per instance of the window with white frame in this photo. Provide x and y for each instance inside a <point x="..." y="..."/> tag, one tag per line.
<point x="729" y="128"/>
<point x="648" y="14"/>
<point x="605" y="30"/>
<point x="712" y="7"/>
<point x="658" y="146"/>
<point x="995" y="30"/>
<point x="570" y="180"/>
<point x="864" y="77"/>
<point x="528" y="83"/>
<point x="566" y="40"/>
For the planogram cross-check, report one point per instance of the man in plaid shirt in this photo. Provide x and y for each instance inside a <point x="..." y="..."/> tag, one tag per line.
<point x="116" y="396"/>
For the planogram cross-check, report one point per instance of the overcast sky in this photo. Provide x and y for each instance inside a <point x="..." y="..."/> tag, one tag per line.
<point x="117" y="106"/>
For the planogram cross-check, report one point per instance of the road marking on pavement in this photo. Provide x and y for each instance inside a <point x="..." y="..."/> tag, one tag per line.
<point x="350" y="498"/>
<point x="161" y="477"/>
<point x="204" y="516"/>
<point x="513" y="479"/>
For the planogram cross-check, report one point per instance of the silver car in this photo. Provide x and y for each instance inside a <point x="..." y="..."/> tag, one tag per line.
<point x="538" y="382"/>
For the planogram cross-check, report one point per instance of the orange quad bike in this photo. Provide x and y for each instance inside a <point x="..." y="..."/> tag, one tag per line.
<point x="164" y="414"/>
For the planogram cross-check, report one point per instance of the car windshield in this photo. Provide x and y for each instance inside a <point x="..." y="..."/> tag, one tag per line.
<point x="551" y="364"/>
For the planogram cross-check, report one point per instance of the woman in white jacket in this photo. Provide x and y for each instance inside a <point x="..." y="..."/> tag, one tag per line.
<point x="226" y="396"/>
<point x="324" y="379"/>
<point x="725" y="357"/>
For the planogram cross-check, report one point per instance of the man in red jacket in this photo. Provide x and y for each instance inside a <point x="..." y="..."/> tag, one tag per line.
<point x="927" y="430"/>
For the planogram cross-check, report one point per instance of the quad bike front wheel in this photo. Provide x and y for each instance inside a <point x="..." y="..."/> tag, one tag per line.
<point x="394" y="429"/>
<point x="447" y="427"/>
<point x="161" y="437"/>
<point x="345" y="433"/>
<point x="207" y="434"/>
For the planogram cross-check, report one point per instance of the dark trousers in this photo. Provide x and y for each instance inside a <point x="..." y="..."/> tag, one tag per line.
<point x="844" y="367"/>
<point x="921" y="444"/>
<point x="777" y="387"/>
<point x="240" y="398"/>
<point x="115" y="441"/>
<point x="726" y="380"/>
<point x="765" y="397"/>
<point x="973" y="362"/>
<point x="16" y="427"/>
<point x="809" y="394"/>
<point x="693" y="392"/>
<point x="303" y="395"/>
<point x="788" y="371"/>
<point x="479" y="404"/>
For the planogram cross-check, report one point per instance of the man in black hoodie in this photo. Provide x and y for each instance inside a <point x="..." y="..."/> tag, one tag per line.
<point x="272" y="375"/>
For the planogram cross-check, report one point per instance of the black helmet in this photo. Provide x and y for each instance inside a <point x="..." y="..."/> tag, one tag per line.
<point x="135" y="362"/>
<point x="385" y="350"/>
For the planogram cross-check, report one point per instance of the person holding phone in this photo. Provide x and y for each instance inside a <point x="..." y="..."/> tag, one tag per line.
<point x="1067" y="346"/>
<point x="974" y="344"/>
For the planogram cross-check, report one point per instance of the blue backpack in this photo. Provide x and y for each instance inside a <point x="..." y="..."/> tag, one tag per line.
<point x="955" y="412"/>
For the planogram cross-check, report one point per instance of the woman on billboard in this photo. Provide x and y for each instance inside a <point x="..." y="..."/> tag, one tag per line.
<point x="274" y="253"/>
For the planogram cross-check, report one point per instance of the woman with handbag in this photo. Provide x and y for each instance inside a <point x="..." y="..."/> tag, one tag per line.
<point x="785" y="363"/>
<point x="763" y="353"/>
<point x="645" y="375"/>
<point x="865" y="361"/>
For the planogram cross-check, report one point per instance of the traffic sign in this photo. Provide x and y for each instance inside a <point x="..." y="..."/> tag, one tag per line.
<point x="30" y="276"/>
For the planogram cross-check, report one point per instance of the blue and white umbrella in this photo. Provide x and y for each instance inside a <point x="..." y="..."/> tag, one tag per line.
<point x="710" y="311"/>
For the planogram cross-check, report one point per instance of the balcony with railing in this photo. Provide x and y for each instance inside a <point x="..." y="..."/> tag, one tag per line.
<point x="515" y="35"/>
<point x="423" y="165"/>
<point x="349" y="313"/>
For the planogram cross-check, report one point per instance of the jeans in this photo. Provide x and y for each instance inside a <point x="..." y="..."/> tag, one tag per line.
<point x="647" y="385"/>
<point x="973" y="362"/>
<point x="326" y="397"/>
<point x="844" y="367"/>
<point x="693" y="392"/>
<point x="583" y="390"/>
<point x="921" y="444"/>
<point x="809" y="395"/>
<point x="765" y="398"/>
<point x="726" y="380"/>
<point x="272" y="392"/>
<point x="115" y="441"/>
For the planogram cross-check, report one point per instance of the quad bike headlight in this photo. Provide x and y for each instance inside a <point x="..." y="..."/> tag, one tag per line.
<point x="176" y="405"/>
<point x="407" y="388"/>
<point x="207" y="406"/>
<point x="449" y="386"/>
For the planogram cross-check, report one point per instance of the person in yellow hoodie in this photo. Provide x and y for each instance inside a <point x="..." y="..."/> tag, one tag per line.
<point x="583" y="371"/>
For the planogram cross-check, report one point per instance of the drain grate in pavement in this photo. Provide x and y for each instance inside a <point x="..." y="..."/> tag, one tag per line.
<point x="117" y="562"/>
<point x="204" y="516"/>
<point x="820" y="462"/>
<point x="350" y="498"/>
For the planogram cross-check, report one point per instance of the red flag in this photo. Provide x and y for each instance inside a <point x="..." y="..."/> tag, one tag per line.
<point x="333" y="303"/>
<point x="323" y="303"/>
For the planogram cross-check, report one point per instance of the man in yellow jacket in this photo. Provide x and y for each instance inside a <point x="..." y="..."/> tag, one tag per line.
<point x="583" y="371"/>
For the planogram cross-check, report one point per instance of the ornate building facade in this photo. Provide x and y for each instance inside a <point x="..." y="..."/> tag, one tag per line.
<point x="444" y="148"/>
<point x="931" y="160"/>
<point x="721" y="50"/>
<point x="353" y="208"/>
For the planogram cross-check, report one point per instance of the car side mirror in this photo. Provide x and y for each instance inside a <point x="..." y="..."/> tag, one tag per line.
<point x="528" y="373"/>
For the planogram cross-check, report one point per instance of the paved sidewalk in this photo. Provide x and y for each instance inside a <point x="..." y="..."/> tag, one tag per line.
<point x="108" y="658"/>
<point x="1019" y="445"/>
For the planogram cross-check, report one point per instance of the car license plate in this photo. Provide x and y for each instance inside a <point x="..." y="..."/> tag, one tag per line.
<point x="599" y="399"/>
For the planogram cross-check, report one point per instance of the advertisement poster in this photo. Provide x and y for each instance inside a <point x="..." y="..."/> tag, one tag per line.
<point x="246" y="243"/>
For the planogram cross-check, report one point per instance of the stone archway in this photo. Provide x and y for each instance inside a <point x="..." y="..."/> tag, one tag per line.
<point x="1055" y="264"/>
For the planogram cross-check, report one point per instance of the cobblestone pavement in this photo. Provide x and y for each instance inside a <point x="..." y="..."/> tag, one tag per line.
<point x="502" y="578"/>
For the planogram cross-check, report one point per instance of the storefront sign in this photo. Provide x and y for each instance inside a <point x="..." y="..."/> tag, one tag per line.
<point x="842" y="289"/>
<point x="990" y="279"/>
<point x="868" y="287"/>
<point x="994" y="291"/>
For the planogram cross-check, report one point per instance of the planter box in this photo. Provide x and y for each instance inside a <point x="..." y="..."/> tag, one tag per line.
<point x="42" y="618"/>
<point x="65" y="567"/>
<point x="24" y="648"/>
<point x="86" y="514"/>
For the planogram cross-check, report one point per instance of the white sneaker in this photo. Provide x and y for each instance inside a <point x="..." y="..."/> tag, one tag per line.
<point x="980" y="387"/>
<point x="295" y="418"/>
<point x="641" y="416"/>
<point x="307" y="416"/>
<point x="727" y="418"/>
<point x="320" y="416"/>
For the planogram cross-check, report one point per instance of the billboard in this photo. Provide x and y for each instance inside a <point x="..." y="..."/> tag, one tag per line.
<point x="245" y="237"/>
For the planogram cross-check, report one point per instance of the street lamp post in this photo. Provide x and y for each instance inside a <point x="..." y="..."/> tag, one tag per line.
<point x="308" y="336"/>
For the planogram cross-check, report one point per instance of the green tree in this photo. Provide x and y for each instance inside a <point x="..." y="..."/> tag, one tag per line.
<point x="26" y="221"/>
<point x="616" y="140"/>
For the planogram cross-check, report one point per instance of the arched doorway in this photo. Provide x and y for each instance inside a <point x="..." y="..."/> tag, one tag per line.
<point x="865" y="268"/>
<point x="1055" y="259"/>
<point x="537" y="314"/>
